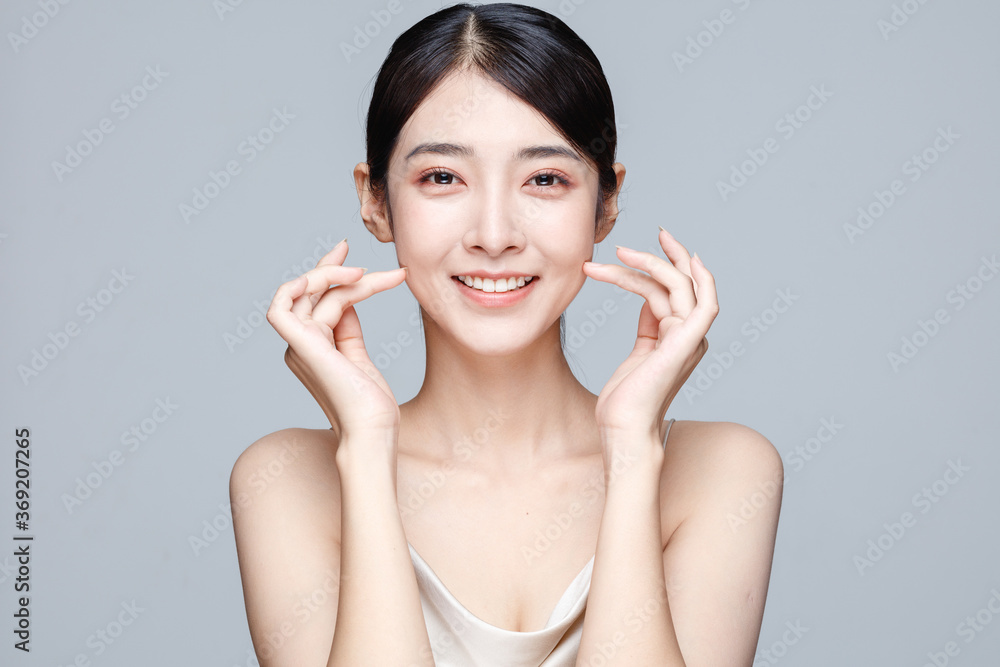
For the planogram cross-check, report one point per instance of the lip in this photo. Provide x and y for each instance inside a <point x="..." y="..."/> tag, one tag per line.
<point x="495" y="299"/>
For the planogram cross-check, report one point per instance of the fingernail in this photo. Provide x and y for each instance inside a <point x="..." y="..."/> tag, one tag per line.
<point x="696" y="258"/>
<point x="406" y="270"/>
<point x="661" y="228"/>
<point x="340" y="241"/>
<point x="363" y="269"/>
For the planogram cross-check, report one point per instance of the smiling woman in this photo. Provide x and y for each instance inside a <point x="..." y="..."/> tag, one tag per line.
<point x="601" y="522"/>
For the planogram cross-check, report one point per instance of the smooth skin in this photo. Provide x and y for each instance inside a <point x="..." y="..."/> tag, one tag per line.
<point x="329" y="533"/>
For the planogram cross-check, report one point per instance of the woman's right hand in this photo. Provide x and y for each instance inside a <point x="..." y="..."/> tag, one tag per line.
<point x="326" y="350"/>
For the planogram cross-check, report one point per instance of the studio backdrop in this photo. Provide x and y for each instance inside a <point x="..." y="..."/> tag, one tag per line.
<point x="165" y="166"/>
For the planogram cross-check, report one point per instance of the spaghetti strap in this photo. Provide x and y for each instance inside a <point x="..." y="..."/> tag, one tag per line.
<point x="667" y="432"/>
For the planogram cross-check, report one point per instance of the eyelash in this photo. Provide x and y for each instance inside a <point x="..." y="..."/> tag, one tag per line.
<point x="427" y="176"/>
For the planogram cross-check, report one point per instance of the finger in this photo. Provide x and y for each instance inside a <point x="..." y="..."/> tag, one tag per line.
<point x="675" y="252"/>
<point x="692" y="330"/>
<point x="336" y="301"/>
<point x="319" y="280"/>
<point x="665" y="355"/>
<point x="635" y="282"/>
<point x="279" y="314"/>
<point x="707" y="308"/>
<point x="678" y="284"/>
<point x="348" y="338"/>
<point x="337" y="254"/>
<point x="648" y="333"/>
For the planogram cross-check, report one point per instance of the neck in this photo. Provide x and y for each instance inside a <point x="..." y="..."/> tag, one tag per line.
<point x="498" y="412"/>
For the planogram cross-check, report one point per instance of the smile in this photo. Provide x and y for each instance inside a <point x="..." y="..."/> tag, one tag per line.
<point x="499" y="285"/>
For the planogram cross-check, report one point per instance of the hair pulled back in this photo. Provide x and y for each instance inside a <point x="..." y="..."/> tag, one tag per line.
<point x="530" y="52"/>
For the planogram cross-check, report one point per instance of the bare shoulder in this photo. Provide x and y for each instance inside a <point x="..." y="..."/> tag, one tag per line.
<point x="720" y="501"/>
<point x="286" y="460"/>
<point x="710" y="465"/>
<point x="291" y="472"/>
<point x="722" y="444"/>
<point x="285" y="496"/>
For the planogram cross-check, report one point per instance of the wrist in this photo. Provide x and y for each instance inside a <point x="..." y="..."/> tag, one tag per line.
<point x="637" y="441"/>
<point x="366" y="449"/>
<point x="636" y="459"/>
<point x="632" y="432"/>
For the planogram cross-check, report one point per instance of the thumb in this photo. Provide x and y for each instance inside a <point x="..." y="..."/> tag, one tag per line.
<point x="348" y="338"/>
<point x="648" y="332"/>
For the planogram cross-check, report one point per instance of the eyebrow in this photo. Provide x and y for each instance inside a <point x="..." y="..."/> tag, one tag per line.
<point x="527" y="153"/>
<point x="453" y="150"/>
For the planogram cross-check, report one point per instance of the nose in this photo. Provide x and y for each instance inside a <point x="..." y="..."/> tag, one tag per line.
<point x="496" y="223"/>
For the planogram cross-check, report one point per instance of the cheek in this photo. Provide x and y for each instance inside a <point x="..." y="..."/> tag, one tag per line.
<point x="575" y="224"/>
<point x="419" y="229"/>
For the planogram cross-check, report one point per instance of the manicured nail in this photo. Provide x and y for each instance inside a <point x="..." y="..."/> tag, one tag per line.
<point x="406" y="270"/>
<point x="661" y="228"/>
<point x="696" y="258"/>
<point x="340" y="241"/>
<point x="363" y="269"/>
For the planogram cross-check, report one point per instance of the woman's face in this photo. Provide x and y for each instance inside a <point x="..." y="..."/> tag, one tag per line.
<point x="481" y="185"/>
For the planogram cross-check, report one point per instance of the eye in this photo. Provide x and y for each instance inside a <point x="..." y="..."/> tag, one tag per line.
<point x="548" y="179"/>
<point x="438" y="177"/>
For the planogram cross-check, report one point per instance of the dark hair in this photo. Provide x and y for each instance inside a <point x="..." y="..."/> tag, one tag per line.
<point x="530" y="52"/>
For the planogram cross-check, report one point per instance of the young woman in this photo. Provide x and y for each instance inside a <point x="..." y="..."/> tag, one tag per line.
<point x="505" y="515"/>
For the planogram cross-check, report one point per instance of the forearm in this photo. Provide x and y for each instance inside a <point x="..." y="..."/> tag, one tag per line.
<point x="379" y="618"/>
<point x="628" y="619"/>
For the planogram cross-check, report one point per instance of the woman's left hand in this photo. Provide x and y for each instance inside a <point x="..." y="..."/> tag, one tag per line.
<point x="681" y="304"/>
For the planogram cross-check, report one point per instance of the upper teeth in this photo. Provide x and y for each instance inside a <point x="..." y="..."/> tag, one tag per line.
<point x="499" y="285"/>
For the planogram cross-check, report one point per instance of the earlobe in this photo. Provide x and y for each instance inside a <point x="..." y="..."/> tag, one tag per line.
<point x="373" y="209"/>
<point x="611" y="205"/>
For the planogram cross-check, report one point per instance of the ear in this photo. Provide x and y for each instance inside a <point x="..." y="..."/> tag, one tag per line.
<point x="373" y="209"/>
<point x="611" y="205"/>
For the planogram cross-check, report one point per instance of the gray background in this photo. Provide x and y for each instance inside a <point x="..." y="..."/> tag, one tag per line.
<point x="168" y="334"/>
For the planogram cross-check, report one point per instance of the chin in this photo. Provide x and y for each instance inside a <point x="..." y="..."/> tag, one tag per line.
<point x="497" y="341"/>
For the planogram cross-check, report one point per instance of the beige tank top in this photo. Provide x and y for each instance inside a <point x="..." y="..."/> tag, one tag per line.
<point x="459" y="638"/>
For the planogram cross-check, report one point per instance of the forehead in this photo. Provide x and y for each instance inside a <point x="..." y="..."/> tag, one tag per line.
<point x="469" y="109"/>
